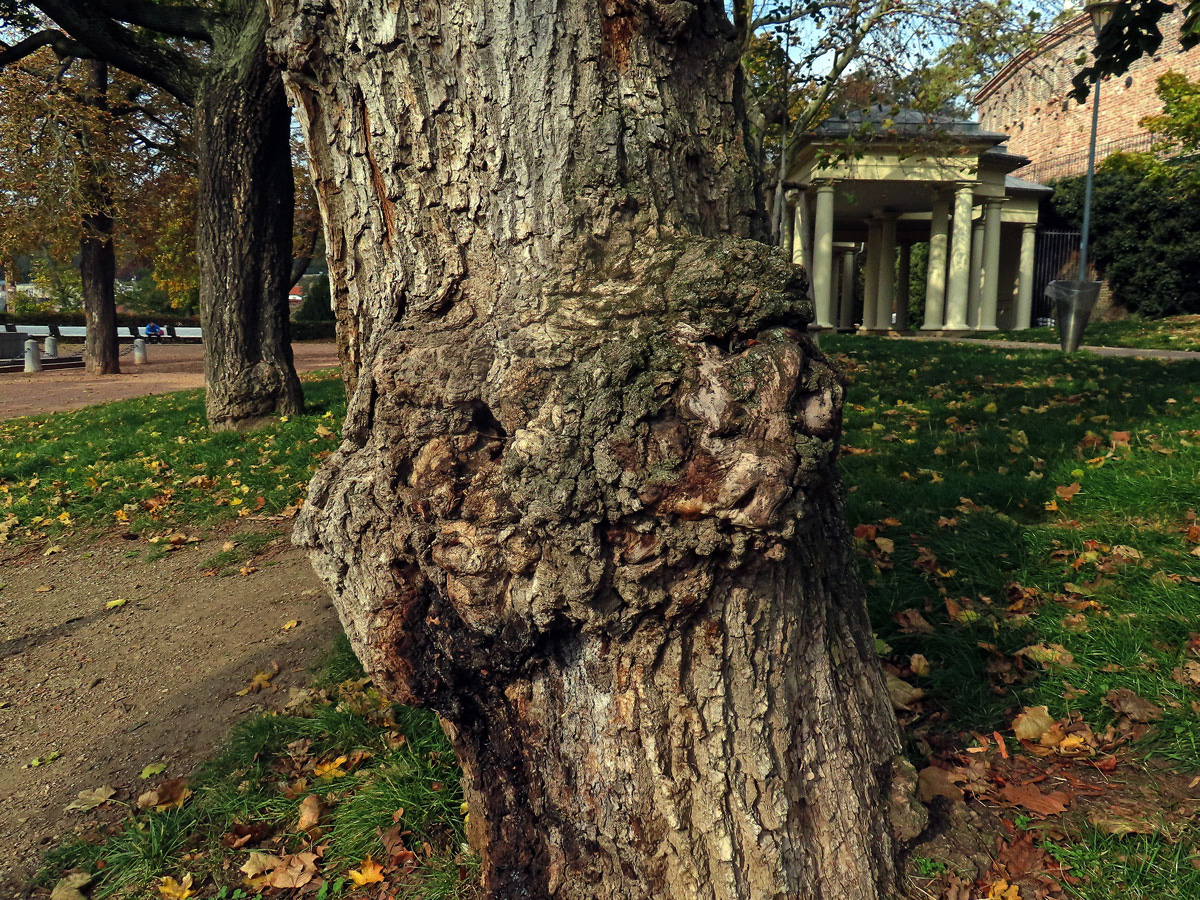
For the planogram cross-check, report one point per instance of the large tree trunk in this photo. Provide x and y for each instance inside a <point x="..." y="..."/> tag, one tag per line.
<point x="245" y="228"/>
<point x="97" y="258"/>
<point x="586" y="506"/>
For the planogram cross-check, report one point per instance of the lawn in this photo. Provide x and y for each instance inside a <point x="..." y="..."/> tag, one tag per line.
<point x="1174" y="333"/>
<point x="1026" y="528"/>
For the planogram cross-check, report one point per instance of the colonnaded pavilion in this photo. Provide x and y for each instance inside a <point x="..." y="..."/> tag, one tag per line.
<point x="866" y="188"/>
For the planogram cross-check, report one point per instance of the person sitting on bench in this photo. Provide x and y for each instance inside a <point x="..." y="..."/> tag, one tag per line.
<point x="154" y="333"/>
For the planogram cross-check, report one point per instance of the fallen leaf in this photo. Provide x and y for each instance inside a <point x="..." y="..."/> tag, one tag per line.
<point x="68" y="886"/>
<point x="42" y="588"/>
<point x="324" y="432"/>
<point x="294" y="870"/>
<point x="331" y="769"/>
<point x="259" y="862"/>
<point x="912" y="622"/>
<point x="1067" y="492"/>
<point x="887" y="545"/>
<point x="89" y="800"/>
<point x="936" y="782"/>
<point x="114" y="604"/>
<point x="1002" y="890"/>
<point x="1032" y="723"/>
<point x="153" y="769"/>
<point x="1051" y="655"/>
<point x="919" y="664"/>
<point x="290" y="624"/>
<point x="310" y="812"/>
<point x="172" y="793"/>
<point x="1030" y="798"/>
<point x="259" y="681"/>
<point x="1117" y="821"/>
<point x="228" y="547"/>
<point x="52" y="549"/>
<point x="1137" y="708"/>
<point x="176" y="890"/>
<point x="902" y="693"/>
<point x="369" y="873"/>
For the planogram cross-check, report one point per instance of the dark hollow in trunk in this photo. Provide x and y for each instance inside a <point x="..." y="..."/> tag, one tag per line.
<point x="97" y="257"/>
<point x="586" y="506"/>
<point x="245" y="230"/>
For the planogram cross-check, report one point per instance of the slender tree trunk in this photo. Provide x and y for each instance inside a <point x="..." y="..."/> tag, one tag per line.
<point x="98" y="266"/>
<point x="586" y="506"/>
<point x="245" y="228"/>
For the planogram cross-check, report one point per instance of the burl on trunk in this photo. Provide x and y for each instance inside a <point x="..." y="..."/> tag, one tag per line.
<point x="586" y="505"/>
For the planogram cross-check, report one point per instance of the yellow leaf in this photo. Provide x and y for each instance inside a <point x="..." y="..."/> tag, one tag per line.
<point x="991" y="407"/>
<point x="370" y="873"/>
<point x="324" y="432"/>
<point x="51" y="550"/>
<point x="113" y="604"/>
<point x="887" y="545"/>
<point x="1002" y="890"/>
<point x="1032" y="723"/>
<point x="176" y="890"/>
<point x="259" y="681"/>
<point x="290" y="624"/>
<point x="236" y="501"/>
<point x="330" y="769"/>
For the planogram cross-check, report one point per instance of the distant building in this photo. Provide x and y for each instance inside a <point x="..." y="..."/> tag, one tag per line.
<point x="1028" y="99"/>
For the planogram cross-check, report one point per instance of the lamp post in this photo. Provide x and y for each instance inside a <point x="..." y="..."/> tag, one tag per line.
<point x="1101" y="12"/>
<point x="1074" y="300"/>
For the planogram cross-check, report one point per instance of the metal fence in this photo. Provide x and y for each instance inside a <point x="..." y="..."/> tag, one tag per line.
<point x="1076" y="163"/>
<point x="1056" y="256"/>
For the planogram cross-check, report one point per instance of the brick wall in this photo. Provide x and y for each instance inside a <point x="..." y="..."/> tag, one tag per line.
<point x="1027" y="100"/>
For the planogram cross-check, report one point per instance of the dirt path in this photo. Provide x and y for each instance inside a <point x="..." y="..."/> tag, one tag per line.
<point x="171" y="367"/>
<point x="153" y="680"/>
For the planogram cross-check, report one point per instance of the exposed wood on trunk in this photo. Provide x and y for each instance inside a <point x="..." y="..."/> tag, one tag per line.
<point x="586" y="506"/>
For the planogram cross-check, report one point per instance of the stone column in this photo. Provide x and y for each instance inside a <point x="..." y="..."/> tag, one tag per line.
<point x="887" y="274"/>
<point x="846" y="310"/>
<point x="960" y="259"/>
<point x="822" y="267"/>
<point x="975" y="290"/>
<point x="989" y="299"/>
<point x="935" y="279"/>
<point x="1025" y="276"/>
<point x="903" y="278"/>
<point x="871" y="275"/>
<point x="787" y="241"/>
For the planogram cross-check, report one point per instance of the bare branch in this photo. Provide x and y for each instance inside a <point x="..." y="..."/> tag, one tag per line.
<point x="63" y="46"/>
<point x="189" y="22"/>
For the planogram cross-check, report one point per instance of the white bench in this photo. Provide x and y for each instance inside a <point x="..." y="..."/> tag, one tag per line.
<point x="35" y="331"/>
<point x="72" y="331"/>
<point x="188" y="332"/>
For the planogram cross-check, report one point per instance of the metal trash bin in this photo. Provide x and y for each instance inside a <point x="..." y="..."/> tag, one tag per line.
<point x="1073" y="305"/>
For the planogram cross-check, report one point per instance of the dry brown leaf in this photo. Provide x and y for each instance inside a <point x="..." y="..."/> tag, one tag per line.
<point x="310" y="812"/>
<point x="86" y="801"/>
<point x="294" y="871"/>
<point x="1032" y="723"/>
<point x="902" y="693"/>
<point x="260" y="862"/>
<point x="912" y="622"/>
<point x="1048" y="655"/>
<point x="936" y="782"/>
<point x="68" y="887"/>
<point x="919" y="664"/>
<point x="1030" y="798"/>
<point x="1137" y="708"/>
<point x="1067" y="492"/>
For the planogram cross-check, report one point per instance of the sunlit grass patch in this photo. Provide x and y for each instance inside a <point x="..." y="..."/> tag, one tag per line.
<point x="1171" y="333"/>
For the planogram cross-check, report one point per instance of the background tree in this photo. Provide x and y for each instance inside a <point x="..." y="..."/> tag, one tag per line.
<point x="586" y="505"/>
<point x="1179" y="122"/>
<point x="212" y="57"/>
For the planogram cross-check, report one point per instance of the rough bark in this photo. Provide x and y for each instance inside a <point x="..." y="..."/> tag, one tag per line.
<point x="586" y="504"/>
<point x="97" y="257"/>
<point x="245" y="227"/>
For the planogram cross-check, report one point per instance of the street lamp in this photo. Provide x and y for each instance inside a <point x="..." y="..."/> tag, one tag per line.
<point x="1074" y="301"/>
<point x="1101" y="12"/>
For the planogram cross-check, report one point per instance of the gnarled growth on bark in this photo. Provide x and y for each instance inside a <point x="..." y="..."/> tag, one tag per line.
<point x="586" y="504"/>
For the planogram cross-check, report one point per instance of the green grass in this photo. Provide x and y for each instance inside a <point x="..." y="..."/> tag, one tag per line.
<point x="246" y="545"/>
<point x="1174" y="333"/>
<point x="954" y="452"/>
<point x="152" y="463"/>
<point x="253" y="781"/>
<point x="1003" y="430"/>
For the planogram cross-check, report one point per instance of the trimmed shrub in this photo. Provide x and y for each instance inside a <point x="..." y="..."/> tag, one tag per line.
<point x="1145" y="234"/>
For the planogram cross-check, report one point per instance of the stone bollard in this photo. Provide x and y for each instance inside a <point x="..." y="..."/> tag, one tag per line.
<point x="139" y="352"/>
<point x="33" y="359"/>
<point x="52" y="346"/>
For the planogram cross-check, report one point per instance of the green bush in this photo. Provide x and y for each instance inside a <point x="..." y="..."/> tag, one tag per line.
<point x="1145" y="230"/>
<point x="317" y="305"/>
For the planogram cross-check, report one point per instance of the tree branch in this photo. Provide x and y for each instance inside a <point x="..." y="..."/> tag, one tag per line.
<point x="189" y="22"/>
<point x="140" y="56"/>
<point x="62" y="45"/>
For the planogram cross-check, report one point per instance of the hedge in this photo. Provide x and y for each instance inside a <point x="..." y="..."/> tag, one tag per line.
<point x="1145" y="234"/>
